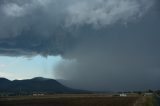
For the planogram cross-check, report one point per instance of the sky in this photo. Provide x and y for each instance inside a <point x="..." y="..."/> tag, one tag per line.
<point x="26" y="68"/>
<point x="90" y="44"/>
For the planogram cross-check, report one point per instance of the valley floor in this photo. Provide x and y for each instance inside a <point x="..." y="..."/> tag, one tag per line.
<point x="76" y="100"/>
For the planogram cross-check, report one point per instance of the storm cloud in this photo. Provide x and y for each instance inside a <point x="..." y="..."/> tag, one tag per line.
<point x="105" y="44"/>
<point x="26" y="26"/>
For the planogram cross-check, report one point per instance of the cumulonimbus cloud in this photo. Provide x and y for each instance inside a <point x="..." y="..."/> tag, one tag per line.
<point x="110" y="40"/>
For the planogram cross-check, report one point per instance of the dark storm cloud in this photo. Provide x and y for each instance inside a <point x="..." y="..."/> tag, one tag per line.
<point x="112" y="44"/>
<point x="32" y="26"/>
<point x="47" y="26"/>
<point x="123" y="57"/>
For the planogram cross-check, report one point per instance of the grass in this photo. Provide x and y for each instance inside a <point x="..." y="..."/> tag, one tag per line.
<point x="150" y="101"/>
<point x="146" y="101"/>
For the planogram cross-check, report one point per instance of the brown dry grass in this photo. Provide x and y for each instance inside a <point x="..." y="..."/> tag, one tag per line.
<point x="85" y="100"/>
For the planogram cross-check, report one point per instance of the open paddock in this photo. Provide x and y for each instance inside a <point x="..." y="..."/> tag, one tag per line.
<point x="69" y="100"/>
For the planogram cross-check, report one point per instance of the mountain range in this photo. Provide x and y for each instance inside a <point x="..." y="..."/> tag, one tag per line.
<point x="37" y="84"/>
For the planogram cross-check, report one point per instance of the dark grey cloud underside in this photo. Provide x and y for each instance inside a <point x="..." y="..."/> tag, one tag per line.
<point x="39" y="27"/>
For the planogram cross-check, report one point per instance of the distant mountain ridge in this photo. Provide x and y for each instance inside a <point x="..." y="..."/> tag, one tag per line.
<point x="38" y="84"/>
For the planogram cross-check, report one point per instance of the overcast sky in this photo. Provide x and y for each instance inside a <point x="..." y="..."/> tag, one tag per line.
<point x="91" y="44"/>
